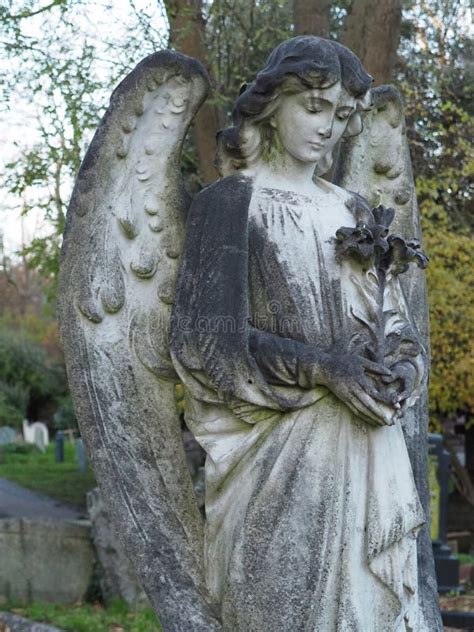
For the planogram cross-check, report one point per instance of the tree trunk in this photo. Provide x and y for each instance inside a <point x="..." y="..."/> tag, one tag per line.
<point x="311" y="17"/>
<point x="187" y="36"/>
<point x="372" y="31"/>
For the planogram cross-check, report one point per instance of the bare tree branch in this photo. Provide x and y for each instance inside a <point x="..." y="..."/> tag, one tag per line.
<point x="29" y="14"/>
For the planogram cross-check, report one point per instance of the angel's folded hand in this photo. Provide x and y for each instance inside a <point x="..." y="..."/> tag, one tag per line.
<point x="351" y="378"/>
<point x="404" y="377"/>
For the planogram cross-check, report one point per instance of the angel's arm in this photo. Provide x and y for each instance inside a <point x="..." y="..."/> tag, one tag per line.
<point x="210" y="329"/>
<point x="285" y="361"/>
<point x="213" y="344"/>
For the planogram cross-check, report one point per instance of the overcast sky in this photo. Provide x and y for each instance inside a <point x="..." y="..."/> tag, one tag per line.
<point x="18" y="122"/>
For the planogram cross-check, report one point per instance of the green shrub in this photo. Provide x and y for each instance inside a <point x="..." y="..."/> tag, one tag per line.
<point x="27" y="374"/>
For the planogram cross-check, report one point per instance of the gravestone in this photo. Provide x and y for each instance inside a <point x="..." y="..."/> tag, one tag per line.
<point x="47" y="561"/>
<point x="39" y="438"/>
<point x="59" y="447"/>
<point x="446" y="564"/>
<point x="117" y="578"/>
<point x="31" y="432"/>
<point x="7" y="435"/>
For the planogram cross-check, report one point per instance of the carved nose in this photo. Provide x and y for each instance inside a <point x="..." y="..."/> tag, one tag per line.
<point x="325" y="132"/>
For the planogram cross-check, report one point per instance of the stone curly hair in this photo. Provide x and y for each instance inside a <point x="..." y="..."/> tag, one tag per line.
<point x="298" y="64"/>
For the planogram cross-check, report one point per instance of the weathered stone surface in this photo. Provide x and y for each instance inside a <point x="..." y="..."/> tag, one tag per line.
<point x="14" y="623"/>
<point x="44" y="561"/>
<point x="118" y="578"/>
<point x="290" y="332"/>
<point x="125" y="228"/>
<point x="377" y="165"/>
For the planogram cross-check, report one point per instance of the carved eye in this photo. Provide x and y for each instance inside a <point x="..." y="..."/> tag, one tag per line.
<point x="343" y="115"/>
<point x="311" y="105"/>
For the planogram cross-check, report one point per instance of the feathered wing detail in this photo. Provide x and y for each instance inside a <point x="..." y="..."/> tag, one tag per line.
<point x="376" y="164"/>
<point x="124" y="234"/>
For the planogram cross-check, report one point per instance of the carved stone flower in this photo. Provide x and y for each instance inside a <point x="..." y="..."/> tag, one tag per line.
<point x="367" y="240"/>
<point x="383" y="217"/>
<point x="358" y="241"/>
<point x="402" y="253"/>
<point x="371" y="241"/>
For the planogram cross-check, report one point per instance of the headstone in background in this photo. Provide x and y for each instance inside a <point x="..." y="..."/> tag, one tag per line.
<point x="7" y="435"/>
<point x="30" y="432"/>
<point x="59" y="447"/>
<point x="117" y="579"/>
<point x="81" y="455"/>
<point x="39" y="439"/>
<point x="446" y="564"/>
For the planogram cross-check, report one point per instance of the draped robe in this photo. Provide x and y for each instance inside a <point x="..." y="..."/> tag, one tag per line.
<point x="311" y="513"/>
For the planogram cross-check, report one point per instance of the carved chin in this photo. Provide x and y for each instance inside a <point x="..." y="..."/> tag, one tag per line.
<point x="324" y="164"/>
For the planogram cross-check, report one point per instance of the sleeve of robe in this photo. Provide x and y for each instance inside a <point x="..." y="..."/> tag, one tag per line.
<point x="212" y="343"/>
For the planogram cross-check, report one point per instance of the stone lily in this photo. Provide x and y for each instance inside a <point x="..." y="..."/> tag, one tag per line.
<point x="371" y="242"/>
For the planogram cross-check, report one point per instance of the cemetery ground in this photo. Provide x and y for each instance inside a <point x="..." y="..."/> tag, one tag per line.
<point x="89" y="617"/>
<point x="64" y="486"/>
<point x="25" y="465"/>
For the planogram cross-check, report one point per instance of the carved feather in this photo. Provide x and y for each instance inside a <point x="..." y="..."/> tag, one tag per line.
<point x="124" y="234"/>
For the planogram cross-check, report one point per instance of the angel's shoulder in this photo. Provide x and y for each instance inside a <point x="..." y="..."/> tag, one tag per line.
<point x="357" y="205"/>
<point x="221" y="203"/>
<point x="336" y="192"/>
<point x="235" y="188"/>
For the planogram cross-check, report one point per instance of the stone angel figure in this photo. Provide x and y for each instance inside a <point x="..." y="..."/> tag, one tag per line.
<point x="287" y="306"/>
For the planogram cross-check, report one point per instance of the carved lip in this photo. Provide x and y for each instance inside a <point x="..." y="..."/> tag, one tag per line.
<point x="316" y="145"/>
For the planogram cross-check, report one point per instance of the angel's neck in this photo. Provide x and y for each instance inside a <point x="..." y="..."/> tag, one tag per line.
<point x="288" y="174"/>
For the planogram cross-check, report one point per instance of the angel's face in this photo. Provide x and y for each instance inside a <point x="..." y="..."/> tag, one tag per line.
<point x="311" y="122"/>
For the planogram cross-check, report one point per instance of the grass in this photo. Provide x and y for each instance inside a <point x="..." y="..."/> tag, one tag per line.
<point x="40" y="472"/>
<point x="89" y="618"/>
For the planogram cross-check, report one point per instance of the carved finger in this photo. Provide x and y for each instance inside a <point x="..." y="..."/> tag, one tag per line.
<point x="350" y="399"/>
<point x="389" y="379"/>
<point x="373" y="367"/>
<point x="374" y="393"/>
<point x="361" y="413"/>
<point x="367" y="409"/>
<point x="374" y="409"/>
<point x="400" y="397"/>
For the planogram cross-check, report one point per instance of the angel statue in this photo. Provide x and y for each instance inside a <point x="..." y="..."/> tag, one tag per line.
<point x="292" y="309"/>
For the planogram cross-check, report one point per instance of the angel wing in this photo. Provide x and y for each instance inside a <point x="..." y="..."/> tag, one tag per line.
<point x="124" y="233"/>
<point x="376" y="164"/>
